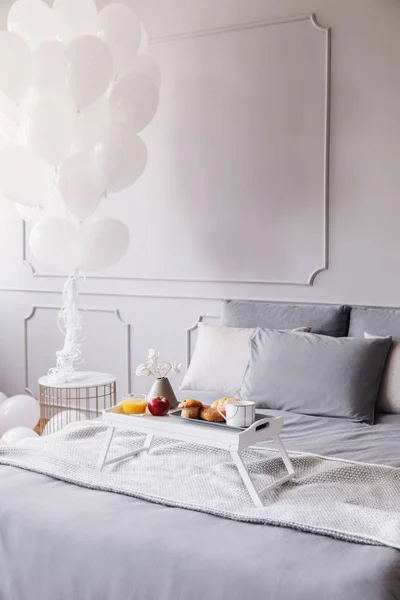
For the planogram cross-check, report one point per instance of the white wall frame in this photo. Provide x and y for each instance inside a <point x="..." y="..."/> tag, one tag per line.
<point x="309" y="281"/>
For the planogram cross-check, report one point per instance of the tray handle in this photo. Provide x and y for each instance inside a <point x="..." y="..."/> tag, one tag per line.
<point x="263" y="424"/>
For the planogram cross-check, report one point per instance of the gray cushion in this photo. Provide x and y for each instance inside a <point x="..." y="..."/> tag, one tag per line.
<point x="314" y="374"/>
<point x="376" y="321"/>
<point x="328" y="320"/>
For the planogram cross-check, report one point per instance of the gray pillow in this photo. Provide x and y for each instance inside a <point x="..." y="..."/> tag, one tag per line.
<point x="315" y="374"/>
<point x="377" y="321"/>
<point x="324" y="319"/>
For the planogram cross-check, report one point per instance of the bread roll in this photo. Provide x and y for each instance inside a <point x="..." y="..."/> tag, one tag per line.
<point x="222" y="401"/>
<point x="190" y="413"/>
<point x="190" y="409"/>
<point x="190" y="404"/>
<point x="211" y="414"/>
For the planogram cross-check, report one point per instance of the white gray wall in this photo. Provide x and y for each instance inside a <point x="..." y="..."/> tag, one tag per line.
<point x="232" y="203"/>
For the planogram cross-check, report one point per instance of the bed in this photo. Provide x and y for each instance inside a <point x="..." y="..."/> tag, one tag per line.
<point x="59" y="540"/>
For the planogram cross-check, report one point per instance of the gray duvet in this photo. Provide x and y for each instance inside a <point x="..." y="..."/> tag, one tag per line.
<point x="59" y="541"/>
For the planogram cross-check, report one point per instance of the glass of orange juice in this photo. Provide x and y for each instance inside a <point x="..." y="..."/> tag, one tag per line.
<point x="134" y="404"/>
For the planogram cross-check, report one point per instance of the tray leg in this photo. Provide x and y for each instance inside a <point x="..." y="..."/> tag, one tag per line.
<point x="148" y="441"/>
<point x="241" y="467"/>
<point x="284" y="455"/>
<point x="257" y="495"/>
<point x="144" y="448"/>
<point x="104" y="452"/>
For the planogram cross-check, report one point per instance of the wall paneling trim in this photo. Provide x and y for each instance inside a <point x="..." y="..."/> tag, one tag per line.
<point x="316" y="217"/>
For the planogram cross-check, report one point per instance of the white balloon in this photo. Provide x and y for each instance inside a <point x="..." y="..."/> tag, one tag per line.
<point x="19" y="411"/>
<point x="49" y="70"/>
<point x="33" y="21"/>
<point x="80" y="185"/>
<point x="15" y="66"/>
<point x="24" y="178"/>
<point x="133" y="101"/>
<point x="12" y="115"/>
<point x="51" y="206"/>
<point x="104" y="244"/>
<point x="144" y="63"/>
<point x="60" y="245"/>
<point x="49" y="130"/>
<point x="133" y="4"/>
<point x="119" y="27"/>
<point x="62" y="419"/>
<point x="74" y="18"/>
<point x="89" y="69"/>
<point x="30" y="214"/>
<point x="3" y="398"/>
<point x="13" y="436"/>
<point x="121" y="160"/>
<point x="57" y="244"/>
<point x="144" y="46"/>
<point x="91" y="125"/>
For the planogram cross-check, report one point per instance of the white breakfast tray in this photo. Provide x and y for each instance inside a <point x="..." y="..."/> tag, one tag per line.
<point x="227" y="439"/>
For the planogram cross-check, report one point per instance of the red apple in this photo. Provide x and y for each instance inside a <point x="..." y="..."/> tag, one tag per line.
<point x="159" y="406"/>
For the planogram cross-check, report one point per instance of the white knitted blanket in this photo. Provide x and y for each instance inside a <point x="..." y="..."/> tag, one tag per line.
<point x="347" y="500"/>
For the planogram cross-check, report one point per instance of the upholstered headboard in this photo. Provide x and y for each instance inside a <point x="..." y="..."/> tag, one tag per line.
<point x="323" y="319"/>
<point x="326" y="319"/>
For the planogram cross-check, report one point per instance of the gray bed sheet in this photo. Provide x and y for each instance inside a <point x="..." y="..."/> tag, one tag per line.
<point x="59" y="541"/>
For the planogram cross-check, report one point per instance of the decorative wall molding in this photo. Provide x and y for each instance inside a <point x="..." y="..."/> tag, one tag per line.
<point x="23" y="249"/>
<point x="97" y="294"/>
<point x="190" y="331"/>
<point x="114" y="311"/>
<point x="223" y="30"/>
<point x="327" y="146"/>
<point x="187" y="35"/>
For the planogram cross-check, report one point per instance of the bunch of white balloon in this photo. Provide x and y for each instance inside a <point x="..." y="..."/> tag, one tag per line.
<point x="18" y="416"/>
<point x="76" y="89"/>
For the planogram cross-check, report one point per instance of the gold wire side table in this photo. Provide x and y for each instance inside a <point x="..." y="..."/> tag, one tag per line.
<point x="83" y="398"/>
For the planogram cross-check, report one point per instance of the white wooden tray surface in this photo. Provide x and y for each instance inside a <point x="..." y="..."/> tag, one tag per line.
<point x="184" y="430"/>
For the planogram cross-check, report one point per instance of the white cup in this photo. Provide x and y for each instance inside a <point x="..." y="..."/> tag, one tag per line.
<point x="238" y="413"/>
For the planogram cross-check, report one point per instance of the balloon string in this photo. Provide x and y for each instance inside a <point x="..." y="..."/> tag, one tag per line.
<point x="70" y="325"/>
